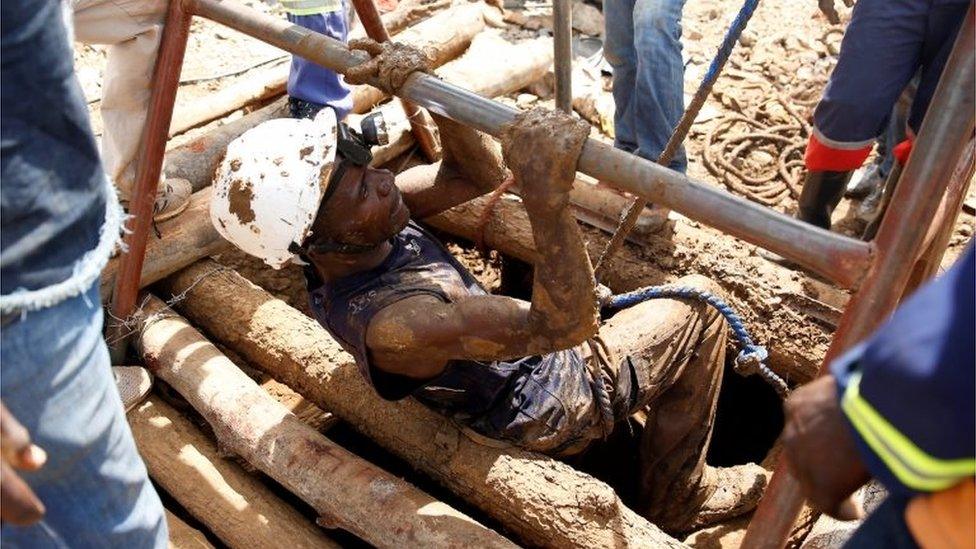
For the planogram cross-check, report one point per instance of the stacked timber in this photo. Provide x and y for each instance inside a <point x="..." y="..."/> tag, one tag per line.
<point x="347" y="491"/>
<point x="544" y="501"/>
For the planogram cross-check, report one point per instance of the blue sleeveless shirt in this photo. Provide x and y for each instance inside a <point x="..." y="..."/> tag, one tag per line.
<point x="543" y="403"/>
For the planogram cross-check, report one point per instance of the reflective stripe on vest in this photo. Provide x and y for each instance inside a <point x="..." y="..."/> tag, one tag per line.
<point x="311" y="7"/>
<point x="912" y="465"/>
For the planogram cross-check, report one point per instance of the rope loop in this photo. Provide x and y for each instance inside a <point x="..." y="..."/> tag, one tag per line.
<point x="751" y="359"/>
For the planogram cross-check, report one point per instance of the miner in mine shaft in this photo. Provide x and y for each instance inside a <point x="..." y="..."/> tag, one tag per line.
<point x="546" y="375"/>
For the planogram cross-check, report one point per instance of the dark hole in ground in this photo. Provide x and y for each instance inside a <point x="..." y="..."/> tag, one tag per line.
<point x="749" y="418"/>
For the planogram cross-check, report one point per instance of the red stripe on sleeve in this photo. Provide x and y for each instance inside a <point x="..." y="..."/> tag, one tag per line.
<point x="902" y="150"/>
<point x="823" y="158"/>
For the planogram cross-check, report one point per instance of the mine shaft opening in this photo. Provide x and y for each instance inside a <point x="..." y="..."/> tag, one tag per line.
<point x="749" y="416"/>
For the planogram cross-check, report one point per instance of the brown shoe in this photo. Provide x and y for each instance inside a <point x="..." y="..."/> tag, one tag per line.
<point x="734" y="491"/>
<point x="172" y="197"/>
<point x="133" y="383"/>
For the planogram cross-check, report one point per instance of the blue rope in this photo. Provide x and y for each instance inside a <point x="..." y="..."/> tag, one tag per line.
<point x="751" y="358"/>
<point x="731" y="37"/>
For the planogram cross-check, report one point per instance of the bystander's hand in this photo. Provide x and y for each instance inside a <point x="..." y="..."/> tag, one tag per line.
<point x="18" y="503"/>
<point x="819" y="447"/>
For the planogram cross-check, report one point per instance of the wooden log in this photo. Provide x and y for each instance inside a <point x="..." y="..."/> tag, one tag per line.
<point x="544" y="501"/>
<point x="346" y="491"/>
<point x="184" y="536"/>
<point x="197" y="160"/>
<point x="230" y="502"/>
<point x="258" y="85"/>
<point x="181" y="241"/>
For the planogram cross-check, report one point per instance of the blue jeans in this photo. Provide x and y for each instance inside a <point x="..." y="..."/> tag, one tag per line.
<point x="643" y="45"/>
<point x="314" y="83"/>
<point x="58" y="383"/>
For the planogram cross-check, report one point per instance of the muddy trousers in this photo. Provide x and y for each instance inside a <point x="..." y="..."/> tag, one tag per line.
<point x="677" y="350"/>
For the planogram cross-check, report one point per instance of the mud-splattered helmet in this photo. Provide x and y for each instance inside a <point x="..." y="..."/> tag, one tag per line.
<point x="268" y="188"/>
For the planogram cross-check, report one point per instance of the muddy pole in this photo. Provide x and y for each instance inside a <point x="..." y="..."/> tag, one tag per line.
<point x="166" y="79"/>
<point x="562" y="43"/>
<point x="834" y="256"/>
<point x="942" y="142"/>
<point x="347" y="491"/>
<point x="944" y="223"/>
<point x="420" y="122"/>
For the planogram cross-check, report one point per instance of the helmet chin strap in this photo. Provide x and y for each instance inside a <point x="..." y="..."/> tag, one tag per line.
<point x="329" y="247"/>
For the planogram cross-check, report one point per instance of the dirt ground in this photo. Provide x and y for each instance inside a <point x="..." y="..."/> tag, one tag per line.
<point x="773" y="79"/>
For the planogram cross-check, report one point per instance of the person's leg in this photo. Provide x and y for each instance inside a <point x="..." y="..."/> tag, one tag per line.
<point x="310" y="86"/>
<point x="58" y="384"/>
<point x="880" y="53"/>
<point x="659" y="81"/>
<point x="620" y="53"/>
<point x="132" y="29"/>
<point x="677" y="352"/>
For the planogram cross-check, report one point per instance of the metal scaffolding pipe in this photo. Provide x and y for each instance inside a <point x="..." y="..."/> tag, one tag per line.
<point x="149" y="165"/>
<point x="941" y="143"/>
<point x="562" y="44"/>
<point x="839" y="258"/>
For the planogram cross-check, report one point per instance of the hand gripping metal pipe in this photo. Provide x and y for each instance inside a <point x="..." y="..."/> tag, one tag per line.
<point x="839" y="258"/>
<point x="941" y="144"/>
<point x="420" y="122"/>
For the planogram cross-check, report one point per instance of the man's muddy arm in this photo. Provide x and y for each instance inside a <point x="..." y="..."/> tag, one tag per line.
<point x="563" y="312"/>
<point x="542" y="148"/>
<point x="472" y="166"/>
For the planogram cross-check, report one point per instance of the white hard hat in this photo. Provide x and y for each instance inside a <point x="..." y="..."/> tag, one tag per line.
<point x="267" y="189"/>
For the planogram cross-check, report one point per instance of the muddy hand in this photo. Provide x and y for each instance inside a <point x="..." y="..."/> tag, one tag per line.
<point x="820" y="451"/>
<point x="390" y="65"/>
<point x="18" y="503"/>
<point x="542" y="148"/>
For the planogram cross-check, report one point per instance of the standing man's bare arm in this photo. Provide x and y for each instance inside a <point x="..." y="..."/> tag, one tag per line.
<point x="417" y="336"/>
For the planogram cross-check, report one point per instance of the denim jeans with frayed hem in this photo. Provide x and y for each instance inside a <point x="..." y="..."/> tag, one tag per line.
<point x="57" y="381"/>
<point x="643" y="45"/>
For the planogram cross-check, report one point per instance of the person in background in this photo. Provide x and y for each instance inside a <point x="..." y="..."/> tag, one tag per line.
<point x="310" y="86"/>
<point x="885" y="45"/>
<point x="132" y="30"/>
<point x="643" y="45"/>
<point x="70" y="475"/>
<point x="898" y="407"/>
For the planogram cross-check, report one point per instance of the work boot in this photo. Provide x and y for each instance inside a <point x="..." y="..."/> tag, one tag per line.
<point x="821" y="193"/>
<point x="172" y="197"/>
<point x="299" y="108"/>
<point x="133" y="383"/>
<point x="867" y="184"/>
<point x="731" y="491"/>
